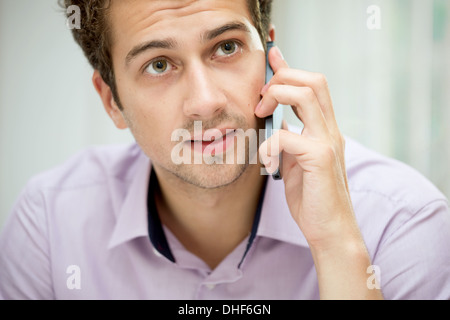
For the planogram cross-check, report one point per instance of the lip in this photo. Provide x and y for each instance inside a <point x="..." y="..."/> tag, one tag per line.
<point x="217" y="146"/>
<point x="210" y="134"/>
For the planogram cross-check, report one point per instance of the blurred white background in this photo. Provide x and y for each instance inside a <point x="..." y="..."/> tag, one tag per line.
<point x="390" y="86"/>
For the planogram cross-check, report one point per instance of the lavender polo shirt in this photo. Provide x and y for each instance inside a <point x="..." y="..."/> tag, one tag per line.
<point x="81" y="231"/>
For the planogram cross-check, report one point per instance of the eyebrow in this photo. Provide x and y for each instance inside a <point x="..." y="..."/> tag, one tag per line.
<point x="210" y="35"/>
<point x="155" y="44"/>
<point x="171" y="43"/>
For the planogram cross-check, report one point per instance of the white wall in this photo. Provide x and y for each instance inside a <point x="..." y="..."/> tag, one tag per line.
<point x="390" y="86"/>
<point x="48" y="107"/>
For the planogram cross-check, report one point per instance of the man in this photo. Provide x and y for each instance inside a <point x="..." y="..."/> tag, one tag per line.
<point x="135" y="223"/>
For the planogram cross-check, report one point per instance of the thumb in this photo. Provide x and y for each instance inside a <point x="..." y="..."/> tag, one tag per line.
<point x="276" y="59"/>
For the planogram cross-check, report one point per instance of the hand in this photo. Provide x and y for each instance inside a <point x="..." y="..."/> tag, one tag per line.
<point x="315" y="180"/>
<point x="313" y="162"/>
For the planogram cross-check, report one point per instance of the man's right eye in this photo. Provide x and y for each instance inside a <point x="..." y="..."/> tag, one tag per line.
<point x="158" y="67"/>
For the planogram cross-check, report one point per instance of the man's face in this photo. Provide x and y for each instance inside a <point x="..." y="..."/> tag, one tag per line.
<point x="181" y="61"/>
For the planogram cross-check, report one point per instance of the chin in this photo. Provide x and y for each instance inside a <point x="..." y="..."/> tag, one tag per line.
<point x="213" y="176"/>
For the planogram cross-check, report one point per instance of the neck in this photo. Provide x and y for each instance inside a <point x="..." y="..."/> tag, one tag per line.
<point x="210" y="223"/>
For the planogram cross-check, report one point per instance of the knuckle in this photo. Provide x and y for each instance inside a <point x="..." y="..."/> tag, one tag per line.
<point x="273" y="93"/>
<point x="308" y="93"/>
<point x="321" y="80"/>
<point x="272" y="90"/>
<point x="328" y="153"/>
<point x="282" y="73"/>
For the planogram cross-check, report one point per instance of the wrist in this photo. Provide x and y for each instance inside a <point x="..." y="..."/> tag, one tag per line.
<point x="335" y="235"/>
<point x="342" y="270"/>
<point x="340" y="248"/>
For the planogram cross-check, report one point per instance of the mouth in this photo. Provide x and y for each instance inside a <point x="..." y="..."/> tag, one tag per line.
<point x="214" y="141"/>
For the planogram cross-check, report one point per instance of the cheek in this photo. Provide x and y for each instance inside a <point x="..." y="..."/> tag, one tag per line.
<point x="251" y="89"/>
<point x="147" y="124"/>
<point x="148" y="114"/>
<point x="255" y="75"/>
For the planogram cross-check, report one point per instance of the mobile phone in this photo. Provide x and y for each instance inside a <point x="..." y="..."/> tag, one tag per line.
<point x="273" y="122"/>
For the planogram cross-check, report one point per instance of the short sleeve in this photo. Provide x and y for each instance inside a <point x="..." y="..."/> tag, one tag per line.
<point x="25" y="269"/>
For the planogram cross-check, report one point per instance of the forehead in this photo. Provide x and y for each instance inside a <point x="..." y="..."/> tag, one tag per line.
<point x="131" y="20"/>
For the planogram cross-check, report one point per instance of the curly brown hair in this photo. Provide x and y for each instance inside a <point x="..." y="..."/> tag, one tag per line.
<point x="93" y="36"/>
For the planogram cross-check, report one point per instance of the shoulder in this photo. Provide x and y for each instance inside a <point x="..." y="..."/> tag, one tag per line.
<point x="87" y="182"/>
<point x="397" y="208"/>
<point x="405" y="221"/>
<point x="370" y="172"/>
<point x="90" y="166"/>
<point x="54" y="209"/>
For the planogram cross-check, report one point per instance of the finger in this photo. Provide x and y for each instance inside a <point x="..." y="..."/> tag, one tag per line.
<point x="308" y="153"/>
<point x="315" y="81"/>
<point x="277" y="62"/>
<point x="269" y="154"/>
<point x="283" y="140"/>
<point x="276" y="59"/>
<point x="289" y="161"/>
<point x="303" y="100"/>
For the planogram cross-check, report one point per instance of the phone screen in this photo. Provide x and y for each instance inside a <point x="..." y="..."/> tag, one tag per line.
<point x="273" y="122"/>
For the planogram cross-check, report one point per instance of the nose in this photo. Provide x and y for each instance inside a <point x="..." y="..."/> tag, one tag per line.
<point x="205" y="98"/>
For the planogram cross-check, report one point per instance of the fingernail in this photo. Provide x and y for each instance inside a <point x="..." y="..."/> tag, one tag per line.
<point x="265" y="161"/>
<point x="269" y="168"/>
<point x="258" y="107"/>
<point x="278" y="52"/>
<point x="265" y="88"/>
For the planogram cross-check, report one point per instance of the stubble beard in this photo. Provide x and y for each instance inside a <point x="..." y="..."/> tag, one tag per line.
<point x="203" y="176"/>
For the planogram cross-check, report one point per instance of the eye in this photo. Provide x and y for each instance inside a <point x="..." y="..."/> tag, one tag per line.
<point x="227" y="48"/>
<point x="158" y="67"/>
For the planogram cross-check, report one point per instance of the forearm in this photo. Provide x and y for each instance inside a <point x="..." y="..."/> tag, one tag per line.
<point x="342" y="271"/>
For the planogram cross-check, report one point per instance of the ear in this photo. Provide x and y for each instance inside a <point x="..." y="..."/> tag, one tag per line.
<point x="271" y="33"/>
<point x="110" y="105"/>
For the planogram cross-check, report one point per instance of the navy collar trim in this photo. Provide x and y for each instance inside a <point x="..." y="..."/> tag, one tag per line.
<point x="255" y="223"/>
<point x="156" y="232"/>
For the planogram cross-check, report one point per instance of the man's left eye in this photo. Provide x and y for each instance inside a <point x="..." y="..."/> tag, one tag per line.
<point x="227" y="48"/>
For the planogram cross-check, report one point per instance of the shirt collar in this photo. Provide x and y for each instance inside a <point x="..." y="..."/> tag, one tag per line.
<point x="156" y="232"/>
<point x="131" y="216"/>
<point x="275" y="220"/>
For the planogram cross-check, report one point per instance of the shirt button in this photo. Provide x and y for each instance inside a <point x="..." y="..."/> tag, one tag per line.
<point x="210" y="286"/>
